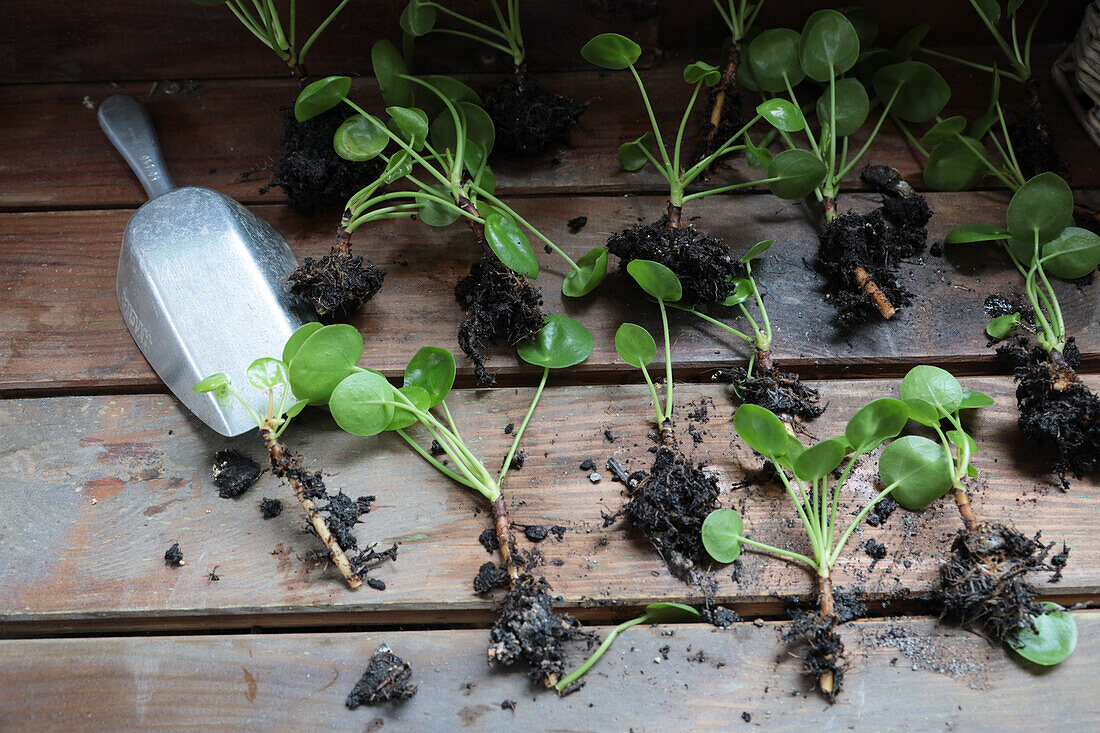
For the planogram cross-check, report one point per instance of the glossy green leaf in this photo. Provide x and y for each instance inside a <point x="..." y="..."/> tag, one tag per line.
<point x="923" y="412"/>
<point x="656" y="279"/>
<point x="435" y="214"/>
<point x="761" y="430"/>
<point x="590" y="272"/>
<point x="417" y="19"/>
<point x="404" y="417"/>
<point x="918" y="468"/>
<point x="1051" y="641"/>
<point x="972" y="400"/>
<point x="757" y="157"/>
<point x="1044" y="205"/>
<point x="321" y="96"/>
<point x="510" y="244"/>
<point x="399" y="166"/>
<point x="958" y="438"/>
<point x="360" y="404"/>
<point x="799" y="171"/>
<point x="976" y="233"/>
<point x="635" y="345"/>
<point x="782" y="115"/>
<point x="324" y="360"/>
<point x="1001" y="326"/>
<point x="702" y="72"/>
<point x="955" y="166"/>
<point x="389" y="66"/>
<point x="875" y="423"/>
<point x="631" y="155"/>
<point x="991" y="9"/>
<point x="452" y="89"/>
<point x="794" y="450"/>
<point x="562" y="342"/>
<point x="743" y="289"/>
<point x="936" y="386"/>
<point x="214" y="383"/>
<point x="266" y="373"/>
<point x="669" y="612"/>
<point x="298" y="338"/>
<point x="852" y="106"/>
<point x="359" y="138"/>
<point x="722" y="535"/>
<point x="829" y="45"/>
<point x="1072" y="254"/>
<point x="910" y="41"/>
<point x="773" y="60"/>
<point x="944" y="130"/>
<point x="432" y="369"/>
<point x="918" y="90"/>
<point x="611" y="51"/>
<point x="411" y="124"/>
<point x="756" y="250"/>
<point x="818" y="461"/>
<point x="295" y="409"/>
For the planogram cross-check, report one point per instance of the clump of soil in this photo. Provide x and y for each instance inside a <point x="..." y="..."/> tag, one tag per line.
<point x="529" y="630"/>
<point x="881" y="511"/>
<point x="499" y="304"/>
<point x="859" y="254"/>
<point x="234" y="473"/>
<point x="824" y="655"/>
<point x="669" y="506"/>
<point x="1033" y="145"/>
<point x="174" y="555"/>
<point x="529" y="119"/>
<point x="387" y="677"/>
<point x="704" y="264"/>
<point x="309" y="171"/>
<point x="270" y="508"/>
<point x="338" y="284"/>
<point x="781" y="392"/>
<point x="1059" y="414"/>
<point x="489" y="577"/>
<point x="983" y="583"/>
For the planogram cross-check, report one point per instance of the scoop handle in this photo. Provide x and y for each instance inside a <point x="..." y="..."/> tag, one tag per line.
<point x="128" y="126"/>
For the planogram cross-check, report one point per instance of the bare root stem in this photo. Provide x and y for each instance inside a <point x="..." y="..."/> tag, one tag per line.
<point x="507" y="542"/>
<point x="966" y="510"/>
<point x="874" y="292"/>
<point x="827" y="680"/>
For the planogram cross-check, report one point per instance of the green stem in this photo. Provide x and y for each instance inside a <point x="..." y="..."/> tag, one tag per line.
<point x="680" y="131"/>
<point x="653" y="122"/>
<point x="653" y="394"/>
<point x="462" y="480"/>
<point x="522" y="427"/>
<point x="523" y="222"/>
<point x="320" y="29"/>
<point x="668" y="362"/>
<point x="715" y="321"/>
<point x="777" y="551"/>
<point x="867" y="144"/>
<point x="855" y="523"/>
<point x="603" y="647"/>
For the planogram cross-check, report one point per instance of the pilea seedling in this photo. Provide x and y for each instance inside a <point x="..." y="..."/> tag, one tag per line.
<point x="703" y="263"/>
<point x="858" y="253"/>
<point x="807" y="474"/>
<point x="364" y="403"/>
<point x="528" y="118"/>
<point x="273" y="376"/>
<point x="725" y="100"/>
<point x="983" y="584"/>
<point x="1058" y="412"/>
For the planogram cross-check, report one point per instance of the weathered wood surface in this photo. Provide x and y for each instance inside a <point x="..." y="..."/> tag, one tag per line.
<point x="61" y="329"/>
<point x="106" y="484"/>
<point x="225" y="135"/>
<point x="55" y="41"/>
<point x="653" y="678"/>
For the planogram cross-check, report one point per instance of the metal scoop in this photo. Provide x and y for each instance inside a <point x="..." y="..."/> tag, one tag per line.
<point x="201" y="280"/>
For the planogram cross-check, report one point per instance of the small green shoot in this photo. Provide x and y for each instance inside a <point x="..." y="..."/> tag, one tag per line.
<point x="503" y="34"/>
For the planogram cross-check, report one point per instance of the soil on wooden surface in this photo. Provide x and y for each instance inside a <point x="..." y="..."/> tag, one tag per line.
<point x="309" y="171"/>
<point x="528" y="118"/>
<point x="529" y="631"/>
<point x="336" y="285"/>
<point x="174" y="555"/>
<point x="388" y="677"/>
<point x="499" y="304"/>
<point x="234" y="473"/>
<point x="270" y="508"/>
<point x="781" y="392"/>
<point x="703" y="263"/>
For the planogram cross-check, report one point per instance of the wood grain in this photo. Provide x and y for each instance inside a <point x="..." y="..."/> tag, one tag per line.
<point x="110" y="482"/>
<point x="225" y="135"/>
<point x="950" y="680"/>
<point x="61" y="329"/>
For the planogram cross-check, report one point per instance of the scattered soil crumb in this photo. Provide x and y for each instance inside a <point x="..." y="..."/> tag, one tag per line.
<point x="720" y="616"/>
<point x="577" y="223"/>
<point x="508" y="705"/>
<point x="376" y="583"/>
<point x="881" y="512"/>
<point x="489" y="577"/>
<point x="535" y="532"/>
<point x="234" y="473"/>
<point x="488" y="540"/>
<point x="937" y="654"/>
<point x="174" y="555"/>
<point x="588" y="465"/>
<point x="270" y="508"/>
<point x="387" y="677"/>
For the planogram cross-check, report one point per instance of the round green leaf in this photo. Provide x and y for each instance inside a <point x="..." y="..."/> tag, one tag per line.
<point x="920" y="90"/>
<point x="668" y="612"/>
<point x="972" y="400"/>
<point x="631" y="155"/>
<point x="510" y="244"/>
<point x="794" y="450"/>
<point x="923" y="412"/>
<point x="852" y="106"/>
<point x="799" y="171"/>
<point x="933" y="385"/>
<point x="321" y="96"/>
<point x="214" y="383"/>
<point x="1043" y="205"/>
<point x="743" y="289"/>
<point x="409" y="123"/>
<point x="359" y="404"/>
<point x="656" y="279"/>
<point x="479" y="126"/>
<point x="562" y="342"/>
<point x="1001" y="326"/>
<point x="910" y="41"/>
<point x="399" y="166"/>
<point x="266" y="373"/>
<point x="875" y="423"/>
<point x="359" y="138"/>
<point x="870" y="61"/>
<point x="324" y="360"/>
<point x="782" y="115"/>
<point x="944" y="130"/>
<point x="863" y="21"/>
<point x="611" y="51"/>
<point x="761" y="430"/>
<point x="919" y="470"/>
<point x="417" y="19"/>
<point x="959" y="439"/>
<point x="818" y="461"/>
<point x="635" y="345"/>
<point x="1072" y="254"/>
<point x="757" y="157"/>
<point x="702" y="72"/>
<point x="435" y="214"/>
<point x="975" y="233"/>
<point x="452" y="89"/>
<point x="756" y="250"/>
<point x="773" y="60"/>
<point x="403" y="417"/>
<point x="389" y="66"/>
<point x="829" y="45"/>
<point x="432" y="369"/>
<point x="1053" y="639"/>
<point x="298" y="338"/>
<point x="991" y="9"/>
<point x="590" y="272"/>
<point x="722" y="535"/>
<point x="955" y="166"/>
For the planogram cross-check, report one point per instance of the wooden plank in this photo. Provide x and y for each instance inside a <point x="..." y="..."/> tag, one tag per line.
<point x="106" y="484"/>
<point x="950" y="680"/>
<point x="52" y="41"/>
<point x="62" y="329"/>
<point x="225" y="135"/>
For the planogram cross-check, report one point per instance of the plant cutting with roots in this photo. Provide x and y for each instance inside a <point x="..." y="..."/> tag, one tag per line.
<point x="528" y="118"/>
<point x="443" y="158"/>
<point x="324" y="370"/>
<point x="859" y="253"/>
<point x="983" y="584"/>
<point x="272" y="375"/>
<point x="1058" y="412"/>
